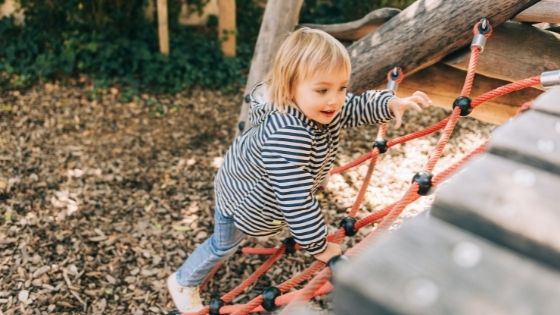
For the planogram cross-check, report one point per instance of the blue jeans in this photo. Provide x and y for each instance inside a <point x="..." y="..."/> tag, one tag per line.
<point x="215" y="249"/>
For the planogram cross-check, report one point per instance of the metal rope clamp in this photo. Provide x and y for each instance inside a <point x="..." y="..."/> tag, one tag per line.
<point x="394" y="77"/>
<point x="482" y="29"/>
<point x="550" y="78"/>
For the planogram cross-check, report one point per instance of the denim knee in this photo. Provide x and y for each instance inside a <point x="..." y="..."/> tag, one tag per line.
<point x="222" y="249"/>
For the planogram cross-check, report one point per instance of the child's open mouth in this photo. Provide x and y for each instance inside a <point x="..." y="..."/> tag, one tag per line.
<point x="328" y="112"/>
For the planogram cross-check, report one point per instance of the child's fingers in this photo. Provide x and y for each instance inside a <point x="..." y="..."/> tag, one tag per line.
<point x="398" y="119"/>
<point x="421" y="98"/>
<point x="426" y="101"/>
<point x="413" y="104"/>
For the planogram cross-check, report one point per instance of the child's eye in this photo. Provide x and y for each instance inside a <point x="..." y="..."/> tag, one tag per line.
<point x="321" y="91"/>
<point x="343" y="88"/>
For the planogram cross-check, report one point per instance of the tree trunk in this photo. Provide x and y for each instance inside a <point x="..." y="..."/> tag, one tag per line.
<point x="163" y="28"/>
<point x="514" y="52"/>
<point x="421" y="35"/>
<point x="227" y="27"/>
<point x="443" y="84"/>
<point x="354" y="30"/>
<point x="280" y="18"/>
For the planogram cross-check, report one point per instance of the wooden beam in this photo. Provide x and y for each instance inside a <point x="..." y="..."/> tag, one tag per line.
<point x="430" y="267"/>
<point x="421" y="35"/>
<point x="547" y="11"/>
<point x="352" y="31"/>
<point x="443" y="84"/>
<point x="227" y="27"/>
<point x="280" y="18"/>
<point x="163" y="28"/>
<point x="506" y="201"/>
<point x="514" y="52"/>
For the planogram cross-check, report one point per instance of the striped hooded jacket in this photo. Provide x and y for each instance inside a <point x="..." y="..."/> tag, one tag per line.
<point x="271" y="172"/>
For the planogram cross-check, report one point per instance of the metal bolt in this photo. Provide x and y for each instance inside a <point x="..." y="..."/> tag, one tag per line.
<point x="466" y="254"/>
<point x="524" y="177"/>
<point x="545" y="146"/>
<point x="422" y="292"/>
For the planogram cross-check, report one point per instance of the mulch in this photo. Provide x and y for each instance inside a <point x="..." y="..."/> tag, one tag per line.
<point x="101" y="200"/>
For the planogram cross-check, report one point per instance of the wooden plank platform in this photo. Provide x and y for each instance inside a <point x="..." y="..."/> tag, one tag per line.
<point x="512" y="204"/>
<point x="549" y="102"/>
<point x="533" y="138"/>
<point x="431" y="267"/>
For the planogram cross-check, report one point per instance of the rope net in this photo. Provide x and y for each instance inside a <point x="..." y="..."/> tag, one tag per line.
<point x="318" y="273"/>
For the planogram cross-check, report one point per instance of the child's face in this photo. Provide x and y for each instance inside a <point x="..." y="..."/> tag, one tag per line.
<point x="321" y="96"/>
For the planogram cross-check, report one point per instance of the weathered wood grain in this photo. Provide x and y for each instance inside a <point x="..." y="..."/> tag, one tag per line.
<point x="543" y="11"/>
<point x="431" y="267"/>
<point x="421" y="35"/>
<point x="514" y="52"/>
<point x="354" y="30"/>
<point x="280" y="18"/>
<point x="443" y="84"/>
<point x="549" y="102"/>
<point x="533" y="138"/>
<point x="512" y="204"/>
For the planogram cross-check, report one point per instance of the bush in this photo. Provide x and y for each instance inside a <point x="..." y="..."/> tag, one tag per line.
<point x="113" y="43"/>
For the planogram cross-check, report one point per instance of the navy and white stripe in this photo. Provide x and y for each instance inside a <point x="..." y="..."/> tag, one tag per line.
<point x="271" y="172"/>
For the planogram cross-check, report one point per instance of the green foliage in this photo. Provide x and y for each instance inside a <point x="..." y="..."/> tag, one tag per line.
<point x="338" y="11"/>
<point x="113" y="43"/>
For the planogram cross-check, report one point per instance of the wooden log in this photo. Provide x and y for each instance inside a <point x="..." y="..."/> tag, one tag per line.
<point x="514" y="52"/>
<point x="443" y="84"/>
<point x="431" y="267"/>
<point x="421" y="35"/>
<point x="163" y="28"/>
<point x="280" y="17"/>
<point x="547" y="11"/>
<point x="227" y="27"/>
<point x="354" y="30"/>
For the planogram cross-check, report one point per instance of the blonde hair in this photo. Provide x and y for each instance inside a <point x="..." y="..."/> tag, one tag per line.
<point x="303" y="53"/>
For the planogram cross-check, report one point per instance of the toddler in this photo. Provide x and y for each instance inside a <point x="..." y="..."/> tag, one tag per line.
<point x="271" y="172"/>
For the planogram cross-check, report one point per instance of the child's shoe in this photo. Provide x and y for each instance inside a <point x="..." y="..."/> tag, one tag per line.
<point x="186" y="299"/>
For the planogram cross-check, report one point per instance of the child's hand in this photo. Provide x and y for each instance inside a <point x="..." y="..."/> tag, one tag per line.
<point x="332" y="250"/>
<point x="416" y="101"/>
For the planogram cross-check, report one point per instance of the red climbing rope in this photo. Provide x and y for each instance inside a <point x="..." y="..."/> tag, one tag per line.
<point x="319" y="284"/>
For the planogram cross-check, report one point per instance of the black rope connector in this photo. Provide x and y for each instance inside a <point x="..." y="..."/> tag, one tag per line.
<point x="424" y="180"/>
<point x="290" y="244"/>
<point x="269" y="295"/>
<point x="381" y="145"/>
<point x="334" y="262"/>
<point x="215" y="305"/>
<point x="349" y="226"/>
<point x="464" y="104"/>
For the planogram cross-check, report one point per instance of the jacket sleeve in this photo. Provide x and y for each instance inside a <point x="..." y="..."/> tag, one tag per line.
<point x="368" y="108"/>
<point x="286" y="156"/>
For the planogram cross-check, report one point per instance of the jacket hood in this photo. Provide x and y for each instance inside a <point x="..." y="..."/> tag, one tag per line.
<point x="260" y="104"/>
